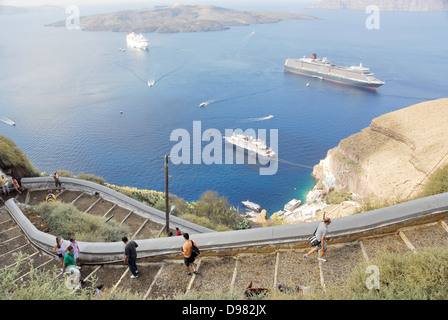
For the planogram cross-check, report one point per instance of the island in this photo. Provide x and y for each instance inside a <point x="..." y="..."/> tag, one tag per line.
<point x="6" y="9"/>
<point x="178" y="18"/>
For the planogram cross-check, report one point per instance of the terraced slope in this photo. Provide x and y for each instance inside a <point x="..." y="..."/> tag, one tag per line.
<point x="224" y="271"/>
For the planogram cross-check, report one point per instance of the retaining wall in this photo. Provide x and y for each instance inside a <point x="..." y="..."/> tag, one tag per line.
<point x="342" y="229"/>
<point x="43" y="183"/>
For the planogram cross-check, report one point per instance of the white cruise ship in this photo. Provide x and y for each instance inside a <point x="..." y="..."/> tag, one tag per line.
<point x="137" y="41"/>
<point x="251" y="144"/>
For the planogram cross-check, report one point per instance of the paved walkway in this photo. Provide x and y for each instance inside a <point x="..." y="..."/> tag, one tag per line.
<point x="217" y="271"/>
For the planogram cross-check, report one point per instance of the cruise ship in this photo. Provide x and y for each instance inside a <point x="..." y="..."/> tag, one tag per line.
<point x="323" y="69"/>
<point x="251" y="144"/>
<point x="138" y="41"/>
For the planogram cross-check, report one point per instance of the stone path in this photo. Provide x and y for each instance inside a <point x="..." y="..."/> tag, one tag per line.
<point x="163" y="280"/>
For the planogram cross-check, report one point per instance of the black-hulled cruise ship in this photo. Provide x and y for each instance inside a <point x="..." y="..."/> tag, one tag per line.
<point x="323" y="69"/>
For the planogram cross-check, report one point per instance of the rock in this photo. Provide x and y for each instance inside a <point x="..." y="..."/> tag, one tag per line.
<point x="262" y="217"/>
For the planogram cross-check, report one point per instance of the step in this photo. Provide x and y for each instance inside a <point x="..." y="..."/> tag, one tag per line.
<point x="342" y="260"/>
<point x="214" y="274"/>
<point x="256" y="268"/>
<point x="150" y="230"/>
<point x="294" y="270"/>
<point x="427" y="236"/>
<point x="172" y="280"/>
<point x="14" y="243"/>
<point x="68" y="196"/>
<point x="101" y="207"/>
<point x="374" y="246"/>
<point x="118" y="213"/>
<point x="141" y="285"/>
<point x="85" y="201"/>
<point x="6" y="223"/>
<point x="9" y="258"/>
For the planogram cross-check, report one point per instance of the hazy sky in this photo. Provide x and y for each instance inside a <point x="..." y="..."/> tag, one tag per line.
<point x="225" y="3"/>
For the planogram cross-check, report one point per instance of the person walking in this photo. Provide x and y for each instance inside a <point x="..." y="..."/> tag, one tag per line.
<point x="57" y="181"/>
<point x="76" y="250"/>
<point x="189" y="256"/>
<point x="321" y="233"/>
<point x="130" y="253"/>
<point x="69" y="269"/>
<point x="69" y="259"/>
<point x="59" y="249"/>
<point x="5" y="186"/>
<point x="16" y="186"/>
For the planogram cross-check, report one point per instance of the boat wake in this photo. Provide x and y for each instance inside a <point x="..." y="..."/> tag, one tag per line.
<point x="257" y="119"/>
<point x="130" y="70"/>
<point x="206" y="103"/>
<point x="294" y="164"/>
<point x="8" y="121"/>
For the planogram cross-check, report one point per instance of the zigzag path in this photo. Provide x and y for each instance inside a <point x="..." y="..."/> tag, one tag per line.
<point x="165" y="278"/>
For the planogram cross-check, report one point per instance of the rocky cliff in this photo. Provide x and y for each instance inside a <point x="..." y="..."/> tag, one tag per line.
<point x="389" y="158"/>
<point x="386" y="5"/>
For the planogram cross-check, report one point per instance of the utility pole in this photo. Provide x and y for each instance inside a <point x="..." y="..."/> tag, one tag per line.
<point x="167" y="210"/>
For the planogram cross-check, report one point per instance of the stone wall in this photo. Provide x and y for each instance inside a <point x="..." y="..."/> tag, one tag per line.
<point x="341" y="230"/>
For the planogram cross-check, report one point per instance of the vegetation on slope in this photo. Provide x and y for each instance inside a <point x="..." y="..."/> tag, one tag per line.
<point x="437" y="183"/>
<point x="13" y="161"/>
<point x="65" y="220"/>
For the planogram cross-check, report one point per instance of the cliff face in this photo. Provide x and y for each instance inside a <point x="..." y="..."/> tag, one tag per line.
<point x="387" y="5"/>
<point x="390" y="157"/>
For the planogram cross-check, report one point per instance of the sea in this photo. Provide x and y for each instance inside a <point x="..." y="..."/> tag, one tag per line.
<point x="81" y="100"/>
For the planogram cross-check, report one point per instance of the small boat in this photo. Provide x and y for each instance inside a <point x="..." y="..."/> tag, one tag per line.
<point x="270" y="116"/>
<point x="203" y="104"/>
<point x="252" y="214"/>
<point x="251" y="205"/>
<point x="150" y="83"/>
<point x="292" y="205"/>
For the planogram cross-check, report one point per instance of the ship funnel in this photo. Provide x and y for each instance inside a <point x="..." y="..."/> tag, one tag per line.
<point x="313" y="56"/>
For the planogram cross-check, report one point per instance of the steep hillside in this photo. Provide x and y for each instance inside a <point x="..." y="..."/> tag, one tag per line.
<point x="392" y="156"/>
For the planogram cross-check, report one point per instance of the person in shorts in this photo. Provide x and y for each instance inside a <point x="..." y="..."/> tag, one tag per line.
<point x="321" y="233"/>
<point x="57" y="181"/>
<point x="187" y="252"/>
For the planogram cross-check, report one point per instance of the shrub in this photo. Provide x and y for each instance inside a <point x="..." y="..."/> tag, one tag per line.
<point x="217" y="210"/>
<point x="91" y="177"/>
<point x="14" y="160"/>
<point x="437" y="183"/>
<point x="65" y="220"/>
<point x="409" y="276"/>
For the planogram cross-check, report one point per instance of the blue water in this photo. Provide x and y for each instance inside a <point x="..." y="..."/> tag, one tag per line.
<point x="65" y="90"/>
